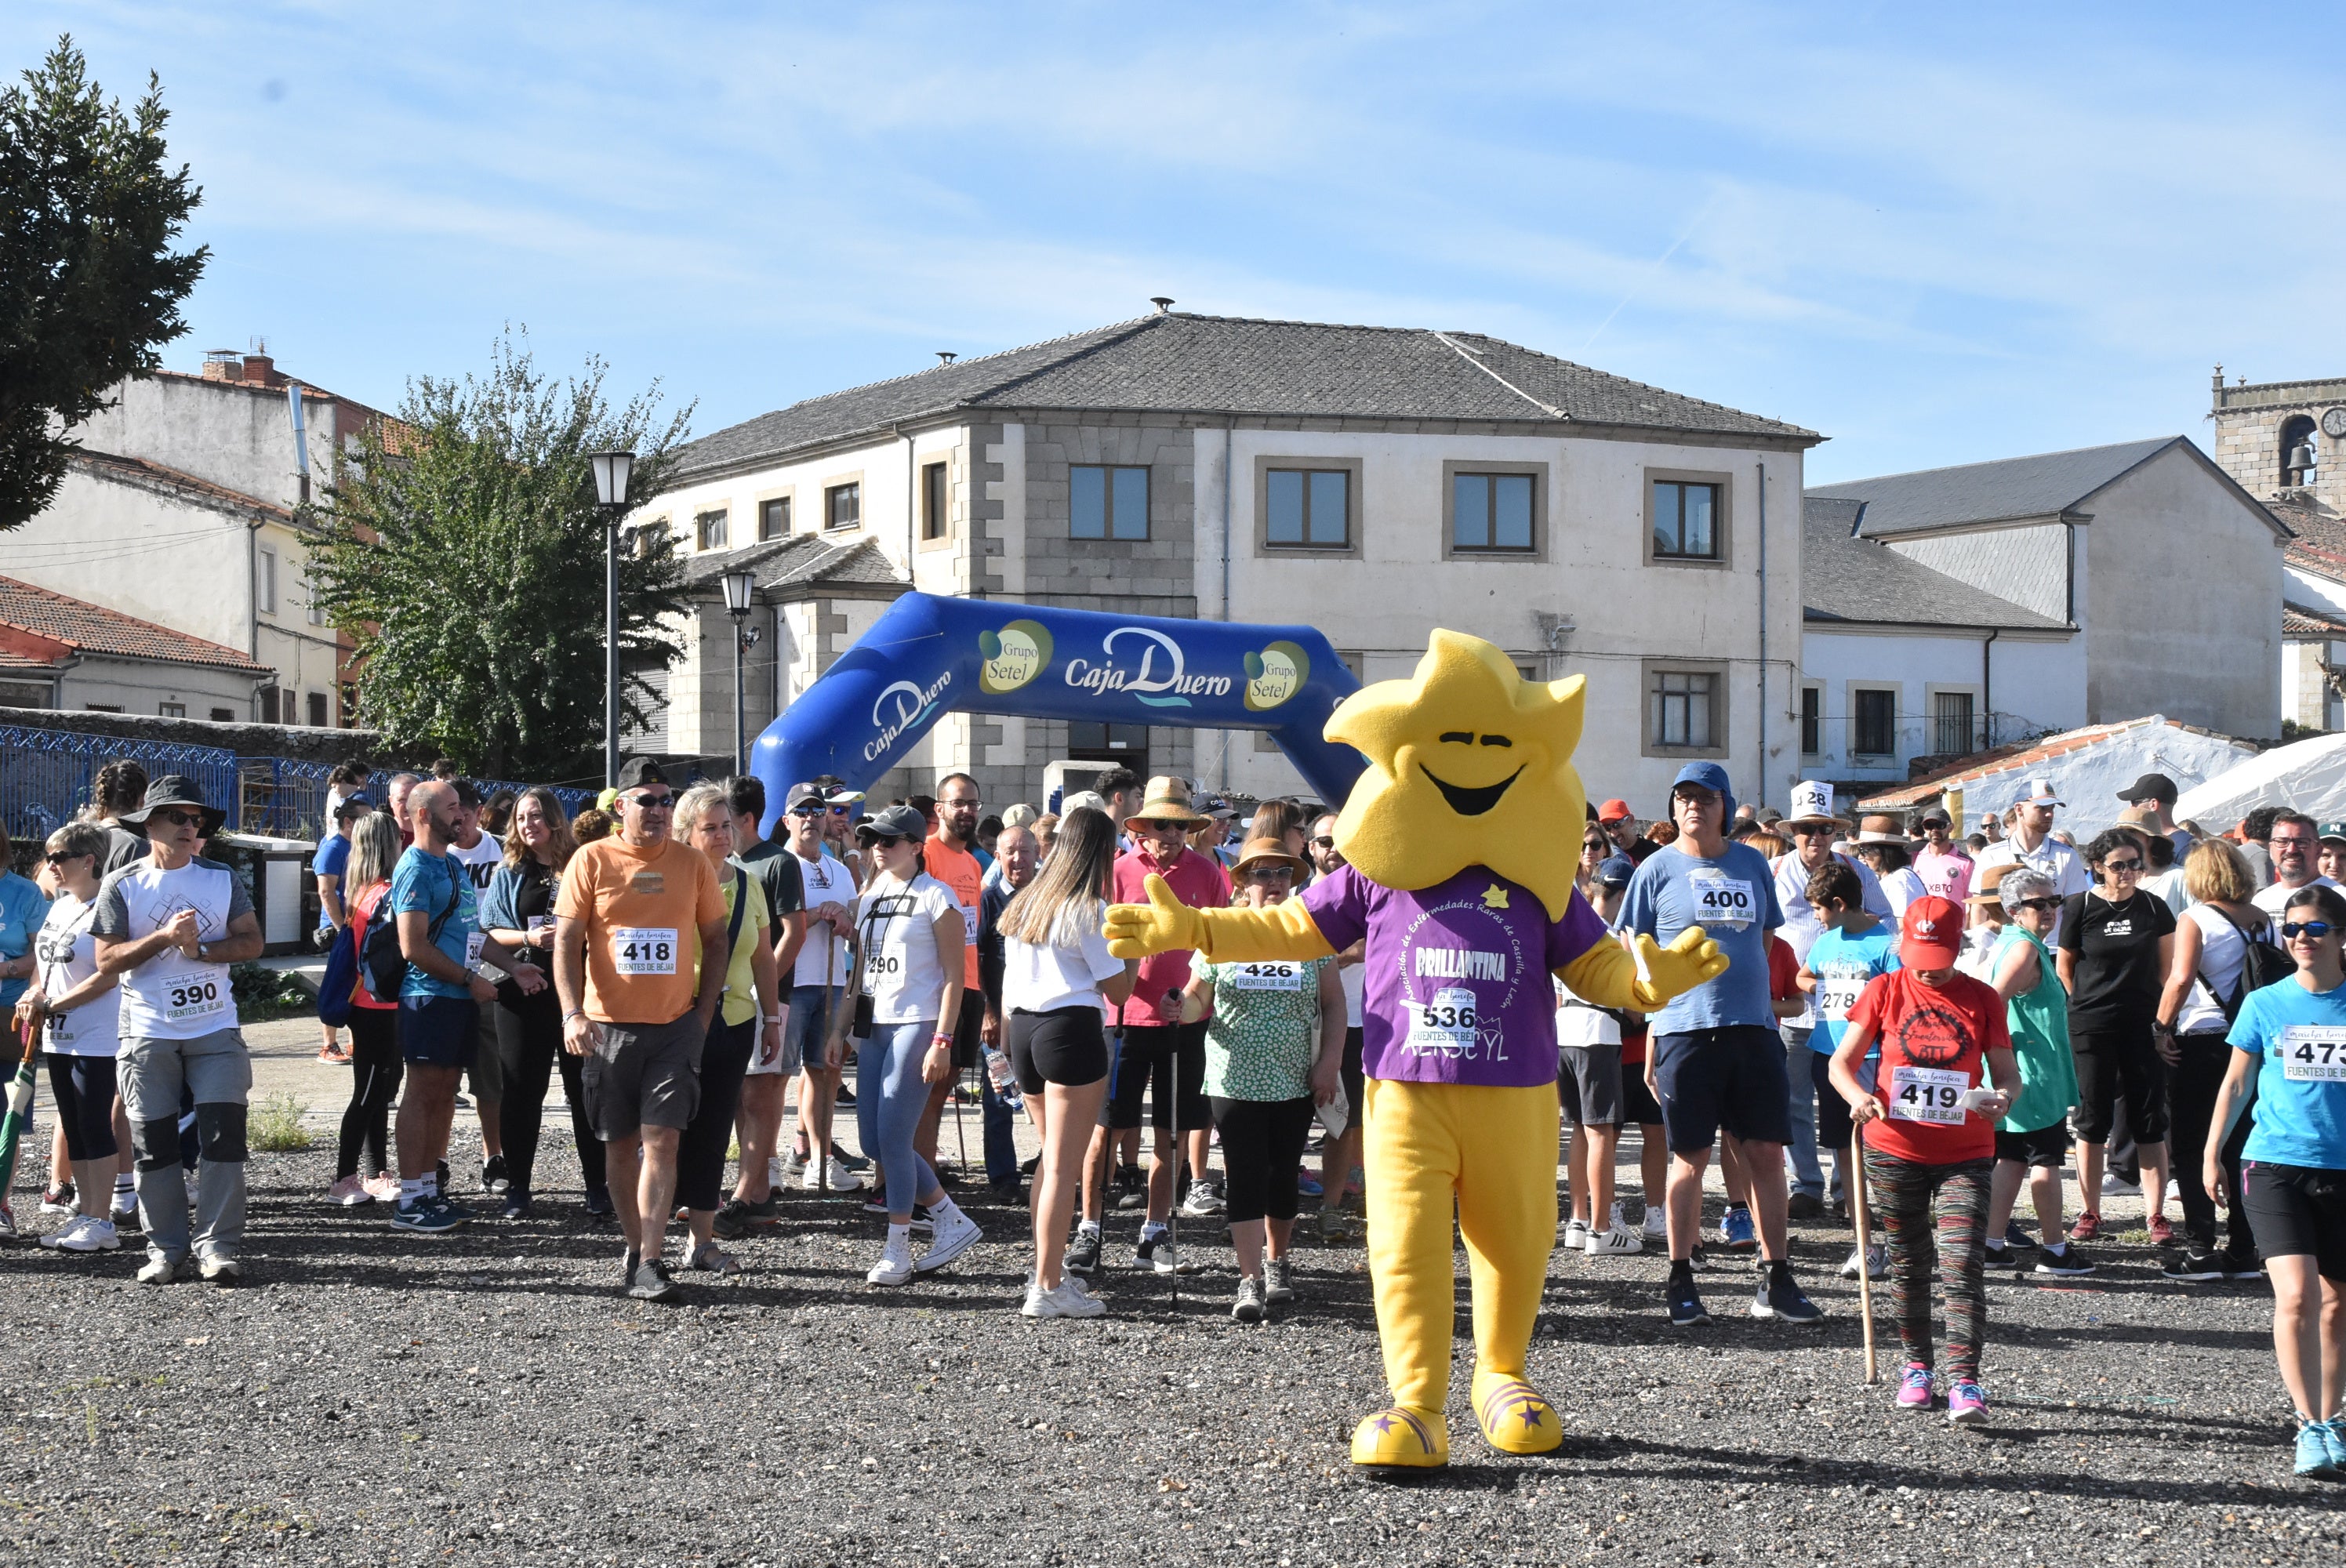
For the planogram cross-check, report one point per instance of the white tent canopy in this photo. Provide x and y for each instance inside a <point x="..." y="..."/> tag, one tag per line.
<point x="2308" y="776"/>
<point x="2087" y="769"/>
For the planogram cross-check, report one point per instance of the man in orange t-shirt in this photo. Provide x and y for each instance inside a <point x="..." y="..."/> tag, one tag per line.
<point x="947" y="857"/>
<point x="634" y="912"/>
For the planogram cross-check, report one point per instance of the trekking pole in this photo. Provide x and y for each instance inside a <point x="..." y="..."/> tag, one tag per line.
<point x="1173" y="1210"/>
<point x="819" y="1120"/>
<point x="1864" y="1252"/>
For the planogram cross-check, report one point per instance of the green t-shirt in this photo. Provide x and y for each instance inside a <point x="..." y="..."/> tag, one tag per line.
<point x="2039" y="1021"/>
<point x="1265" y="1030"/>
<point x="740" y="1000"/>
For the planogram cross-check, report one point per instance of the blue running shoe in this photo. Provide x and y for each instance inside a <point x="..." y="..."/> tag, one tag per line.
<point x="1686" y="1305"/>
<point x="2315" y="1458"/>
<point x="1306" y="1188"/>
<point x="1738" y="1231"/>
<point x="1777" y="1295"/>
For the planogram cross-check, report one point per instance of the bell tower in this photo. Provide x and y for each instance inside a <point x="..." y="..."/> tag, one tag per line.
<point x="2284" y="440"/>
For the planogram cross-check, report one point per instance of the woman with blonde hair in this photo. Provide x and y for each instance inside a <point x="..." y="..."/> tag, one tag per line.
<point x="376" y="1067"/>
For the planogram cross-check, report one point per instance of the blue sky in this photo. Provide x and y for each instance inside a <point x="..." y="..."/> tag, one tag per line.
<point x="1935" y="235"/>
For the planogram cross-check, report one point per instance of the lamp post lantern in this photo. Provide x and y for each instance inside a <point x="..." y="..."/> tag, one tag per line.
<point x="741" y="587"/>
<point x="612" y="472"/>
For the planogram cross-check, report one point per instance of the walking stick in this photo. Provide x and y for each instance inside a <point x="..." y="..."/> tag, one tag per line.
<point x="819" y="1120"/>
<point x="1864" y="1259"/>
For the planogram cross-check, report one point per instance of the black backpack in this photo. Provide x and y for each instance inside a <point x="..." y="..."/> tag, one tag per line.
<point x="2262" y="964"/>
<point x="381" y="958"/>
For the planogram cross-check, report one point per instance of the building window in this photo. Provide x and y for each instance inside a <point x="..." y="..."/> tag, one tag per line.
<point x="171" y="709"/>
<point x="712" y="528"/>
<point x="101" y="708"/>
<point x="1491" y="512"/>
<point x="24" y="694"/>
<point x="1812" y="721"/>
<point x="288" y="708"/>
<point x="1685" y="520"/>
<point x="1874" y="722"/>
<point x="1951" y="723"/>
<point x="267" y="588"/>
<point x="1108" y="503"/>
<point x="1084" y="738"/>
<point x="775" y="518"/>
<point x="934" y="516"/>
<point x="223" y="716"/>
<point x="2300" y="455"/>
<point x="1308" y="508"/>
<point x="843" y="506"/>
<point x="319" y="718"/>
<point x="1684" y="709"/>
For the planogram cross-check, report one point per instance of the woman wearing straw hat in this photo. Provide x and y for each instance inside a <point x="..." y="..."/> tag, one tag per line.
<point x="1882" y="844"/>
<point x="1274" y="1047"/>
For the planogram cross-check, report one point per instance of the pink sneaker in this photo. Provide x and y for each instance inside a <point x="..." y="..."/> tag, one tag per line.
<point x="382" y="1188"/>
<point x="1914" y="1387"/>
<point x="349" y="1192"/>
<point x="1967" y="1405"/>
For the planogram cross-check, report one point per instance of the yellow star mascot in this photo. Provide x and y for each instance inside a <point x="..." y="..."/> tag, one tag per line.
<point x="1462" y="838"/>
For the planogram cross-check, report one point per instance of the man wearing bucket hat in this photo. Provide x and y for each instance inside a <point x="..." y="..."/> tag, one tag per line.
<point x="2031" y="843"/>
<point x="170" y="925"/>
<point x="1152" y="1042"/>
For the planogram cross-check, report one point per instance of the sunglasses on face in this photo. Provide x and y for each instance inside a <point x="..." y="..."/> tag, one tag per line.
<point x="650" y="802"/>
<point x="1271" y="874"/>
<point x="2121" y="865"/>
<point x="809" y="812"/>
<point x="2292" y="930"/>
<point x="1324" y="842"/>
<point x="1811" y="832"/>
<point x="59" y="857"/>
<point x="179" y="819"/>
<point x="877" y="841"/>
<point x="842" y="811"/>
<point x="2038" y="904"/>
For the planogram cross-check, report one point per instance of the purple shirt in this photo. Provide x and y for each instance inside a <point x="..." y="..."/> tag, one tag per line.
<point x="1456" y="978"/>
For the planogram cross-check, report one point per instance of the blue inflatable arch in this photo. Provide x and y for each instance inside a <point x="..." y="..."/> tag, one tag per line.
<point x="930" y="655"/>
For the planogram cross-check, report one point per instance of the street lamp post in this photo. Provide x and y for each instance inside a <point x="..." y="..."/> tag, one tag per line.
<point x="741" y="585"/>
<point x="612" y="472"/>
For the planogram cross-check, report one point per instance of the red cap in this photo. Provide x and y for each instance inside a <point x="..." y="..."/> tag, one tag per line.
<point x="1931" y="934"/>
<point x="1614" y="812"/>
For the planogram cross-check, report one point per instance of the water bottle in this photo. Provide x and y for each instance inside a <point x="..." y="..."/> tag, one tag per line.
<point x="1005" y="1082"/>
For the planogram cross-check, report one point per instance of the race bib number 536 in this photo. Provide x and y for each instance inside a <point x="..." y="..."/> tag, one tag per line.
<point x="2313" y="1053"/>
<point x="643" y="950"/>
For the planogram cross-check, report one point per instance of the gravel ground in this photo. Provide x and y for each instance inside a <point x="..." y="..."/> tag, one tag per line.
<point x="488" y="1396"/>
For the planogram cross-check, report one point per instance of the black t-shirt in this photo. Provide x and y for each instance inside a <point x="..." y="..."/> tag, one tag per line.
<point x="2118" y="975"/>
<point x="777" y="871"/>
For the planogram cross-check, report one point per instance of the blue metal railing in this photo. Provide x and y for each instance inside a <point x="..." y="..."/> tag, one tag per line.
<point x="46" y="778"/>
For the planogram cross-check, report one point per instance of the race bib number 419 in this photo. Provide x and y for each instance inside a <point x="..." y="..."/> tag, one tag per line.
<point x="643" y="950"/>
<point x="2313" y="1053"/>
<point x="1928" y="1094"/>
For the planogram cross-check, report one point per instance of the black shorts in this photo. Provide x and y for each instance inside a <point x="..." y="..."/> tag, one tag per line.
<point x="1637" y="1101"/>
<point x="1142" y="1056"/>
<point x="1353" y="1079"/>
<point x="2111" y="1061"/>
<point x="84" y="1088"/>
<point x="2297" y="1211"/>
<point x="968" y="1035"/>
<point x="1833" y="1126"/>
<point x="1730" y="1078"/>
<point x="1588" y="1085"/>
<point x="2047" y="1146"/>
<point x="439" y="1031"/>
<point x="1066" y="1045"/>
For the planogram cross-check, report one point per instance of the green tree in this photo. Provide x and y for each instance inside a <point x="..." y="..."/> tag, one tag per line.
<point x="465" y="557"/>
<point x="89" y="287"/>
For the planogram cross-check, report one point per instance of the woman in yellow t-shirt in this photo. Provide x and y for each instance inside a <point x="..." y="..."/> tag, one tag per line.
<point x="749" y="1019"/>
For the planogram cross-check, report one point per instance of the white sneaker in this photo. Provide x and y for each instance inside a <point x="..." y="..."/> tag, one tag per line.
<point x="1575" y="1235"/>
<point x="780" y="1172"/>
<point x="1201" y="1201"/>
<point x="895" y="1267"/>
<point x="1876" y="1264"/>
<point x="952" y="1237"/>
<point x="841" y="1178"/>
<point x="1658" y="1223"/>
<point x="1069" y="1300"/>
<point x="1617" y="1223"/>
<point x="1619" y="1242"/>
<point x="85" y="1234"/>
<point x="2114" y="1186"/>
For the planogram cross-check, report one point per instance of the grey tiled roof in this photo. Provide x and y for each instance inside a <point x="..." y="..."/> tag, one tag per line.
<point x="1224" y="364"/>
<point x="799" y="560"/>
<point x="2038" y="487"/>
<point x="1857" y="581"/>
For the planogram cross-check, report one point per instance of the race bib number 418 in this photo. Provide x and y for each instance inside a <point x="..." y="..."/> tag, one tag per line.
<point x="643" y="950"/>
<point x="2313" y="1053"/>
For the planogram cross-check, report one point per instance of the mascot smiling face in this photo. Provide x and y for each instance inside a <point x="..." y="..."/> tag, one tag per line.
<point x="1469" y="765"/>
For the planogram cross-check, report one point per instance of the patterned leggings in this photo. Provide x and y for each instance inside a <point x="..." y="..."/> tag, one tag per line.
<point x="1902" y="1192"/>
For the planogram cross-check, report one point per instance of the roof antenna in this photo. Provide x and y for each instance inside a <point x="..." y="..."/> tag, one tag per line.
<point x="1163" y="303"/>
<point x="946" y="356"/>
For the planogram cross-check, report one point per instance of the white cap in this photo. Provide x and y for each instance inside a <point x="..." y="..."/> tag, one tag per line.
<point x="1812" y="802"/>
<point x="2040" y="792"/>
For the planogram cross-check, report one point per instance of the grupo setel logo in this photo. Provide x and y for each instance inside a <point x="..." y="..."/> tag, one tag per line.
<point x="1161" y="681"/>
<point x="909" y="704"/>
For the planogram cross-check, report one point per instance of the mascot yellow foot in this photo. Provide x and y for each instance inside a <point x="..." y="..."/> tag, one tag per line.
<point x="1514" y="1417"/>
<point x="1400" y="1436"/>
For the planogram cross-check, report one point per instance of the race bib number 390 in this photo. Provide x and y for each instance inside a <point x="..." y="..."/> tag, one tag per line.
<point x="1928" y="1094"/>
<point x="643" y="950"/>
<point x="197" y="996"/>
<point x="1282" y="976"/>
<point x="2313" y="1053"/>
<point x="1723" y="901"/>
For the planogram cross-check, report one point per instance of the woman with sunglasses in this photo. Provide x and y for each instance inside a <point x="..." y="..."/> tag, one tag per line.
<point x="2118" y="948"/>
<point x="2221" y="940"/>
<point x="1274" y="1048"/>
<point x="2032" y="1141"/>
<point x="909" y="927"/>
<point x="76" y="1011"/>
<point x="2290" y="1041"/>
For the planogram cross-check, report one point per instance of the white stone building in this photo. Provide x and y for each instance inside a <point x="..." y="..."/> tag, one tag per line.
<point x="1960" y="608"/>
<point x="1375" y="482"/>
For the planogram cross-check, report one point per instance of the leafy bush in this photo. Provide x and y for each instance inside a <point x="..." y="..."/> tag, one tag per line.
<point x="274" y="1126"/>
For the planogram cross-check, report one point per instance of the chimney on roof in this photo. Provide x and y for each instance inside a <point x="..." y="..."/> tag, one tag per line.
<point x="946" y="356"/>
<point x="260" y="370"/>
<point x="223" y="365"/>
<point x="1163" y="302"/>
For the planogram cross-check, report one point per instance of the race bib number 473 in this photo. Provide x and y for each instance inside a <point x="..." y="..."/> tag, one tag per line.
<point x="643" y="950"/>
<point x="2313" y="1053"/>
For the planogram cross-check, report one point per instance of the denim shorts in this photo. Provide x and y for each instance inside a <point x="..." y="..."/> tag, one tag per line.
<point x="803" y="1043"/>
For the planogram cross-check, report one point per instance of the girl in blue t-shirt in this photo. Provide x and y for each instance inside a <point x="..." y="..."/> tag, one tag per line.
<point x="2292" y="1036"/>
<point x="1855" y="947"/>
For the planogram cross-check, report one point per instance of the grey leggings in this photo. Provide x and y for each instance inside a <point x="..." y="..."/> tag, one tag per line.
<point x="889" y="1099"/>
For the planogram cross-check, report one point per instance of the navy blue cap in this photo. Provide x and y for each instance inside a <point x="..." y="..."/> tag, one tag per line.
<point x="1711" y="776"/>
<point x="1615" y="871"/>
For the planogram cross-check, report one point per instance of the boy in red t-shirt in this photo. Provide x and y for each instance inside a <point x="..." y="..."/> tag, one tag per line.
<point x="1932" y="1135"/>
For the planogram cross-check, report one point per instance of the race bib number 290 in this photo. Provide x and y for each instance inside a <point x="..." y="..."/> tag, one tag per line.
<point x="643" y="950"/>
<point x="2313" y="1053"/>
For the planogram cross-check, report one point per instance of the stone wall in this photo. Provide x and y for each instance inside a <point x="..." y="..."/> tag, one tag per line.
<point x="2249" y="420"/>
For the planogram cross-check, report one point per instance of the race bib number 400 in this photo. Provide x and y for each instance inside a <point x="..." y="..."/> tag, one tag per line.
<point x="1928" y="1094"/>
<point x="2313" y="1053"/>
<point x="1723" y="901"/>
<point x="1268" y="977"/>
<point x="644" y="950"/>
<point x="1445" y="1024"/>
<point x="194" y="996"/>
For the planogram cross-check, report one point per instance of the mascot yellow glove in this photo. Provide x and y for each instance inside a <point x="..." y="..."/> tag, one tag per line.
<point x="1608" y="975"/>
<point x="1165" y="924"/>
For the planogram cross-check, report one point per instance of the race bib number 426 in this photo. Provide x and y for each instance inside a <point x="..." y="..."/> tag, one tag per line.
<point x="1269" y="976"/>
<point x="2313" y="1053"/>
<point x="643" y="950"/>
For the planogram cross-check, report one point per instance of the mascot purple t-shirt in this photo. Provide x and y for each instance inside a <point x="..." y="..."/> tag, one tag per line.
<point x="1456" y="987"/>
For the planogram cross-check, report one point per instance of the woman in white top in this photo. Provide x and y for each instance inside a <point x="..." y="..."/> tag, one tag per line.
<point x="908" y="927"/>
<point x="1057" y="979"/>
<point x="77" y="1010"/>
<point x="2204" y="987"/>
